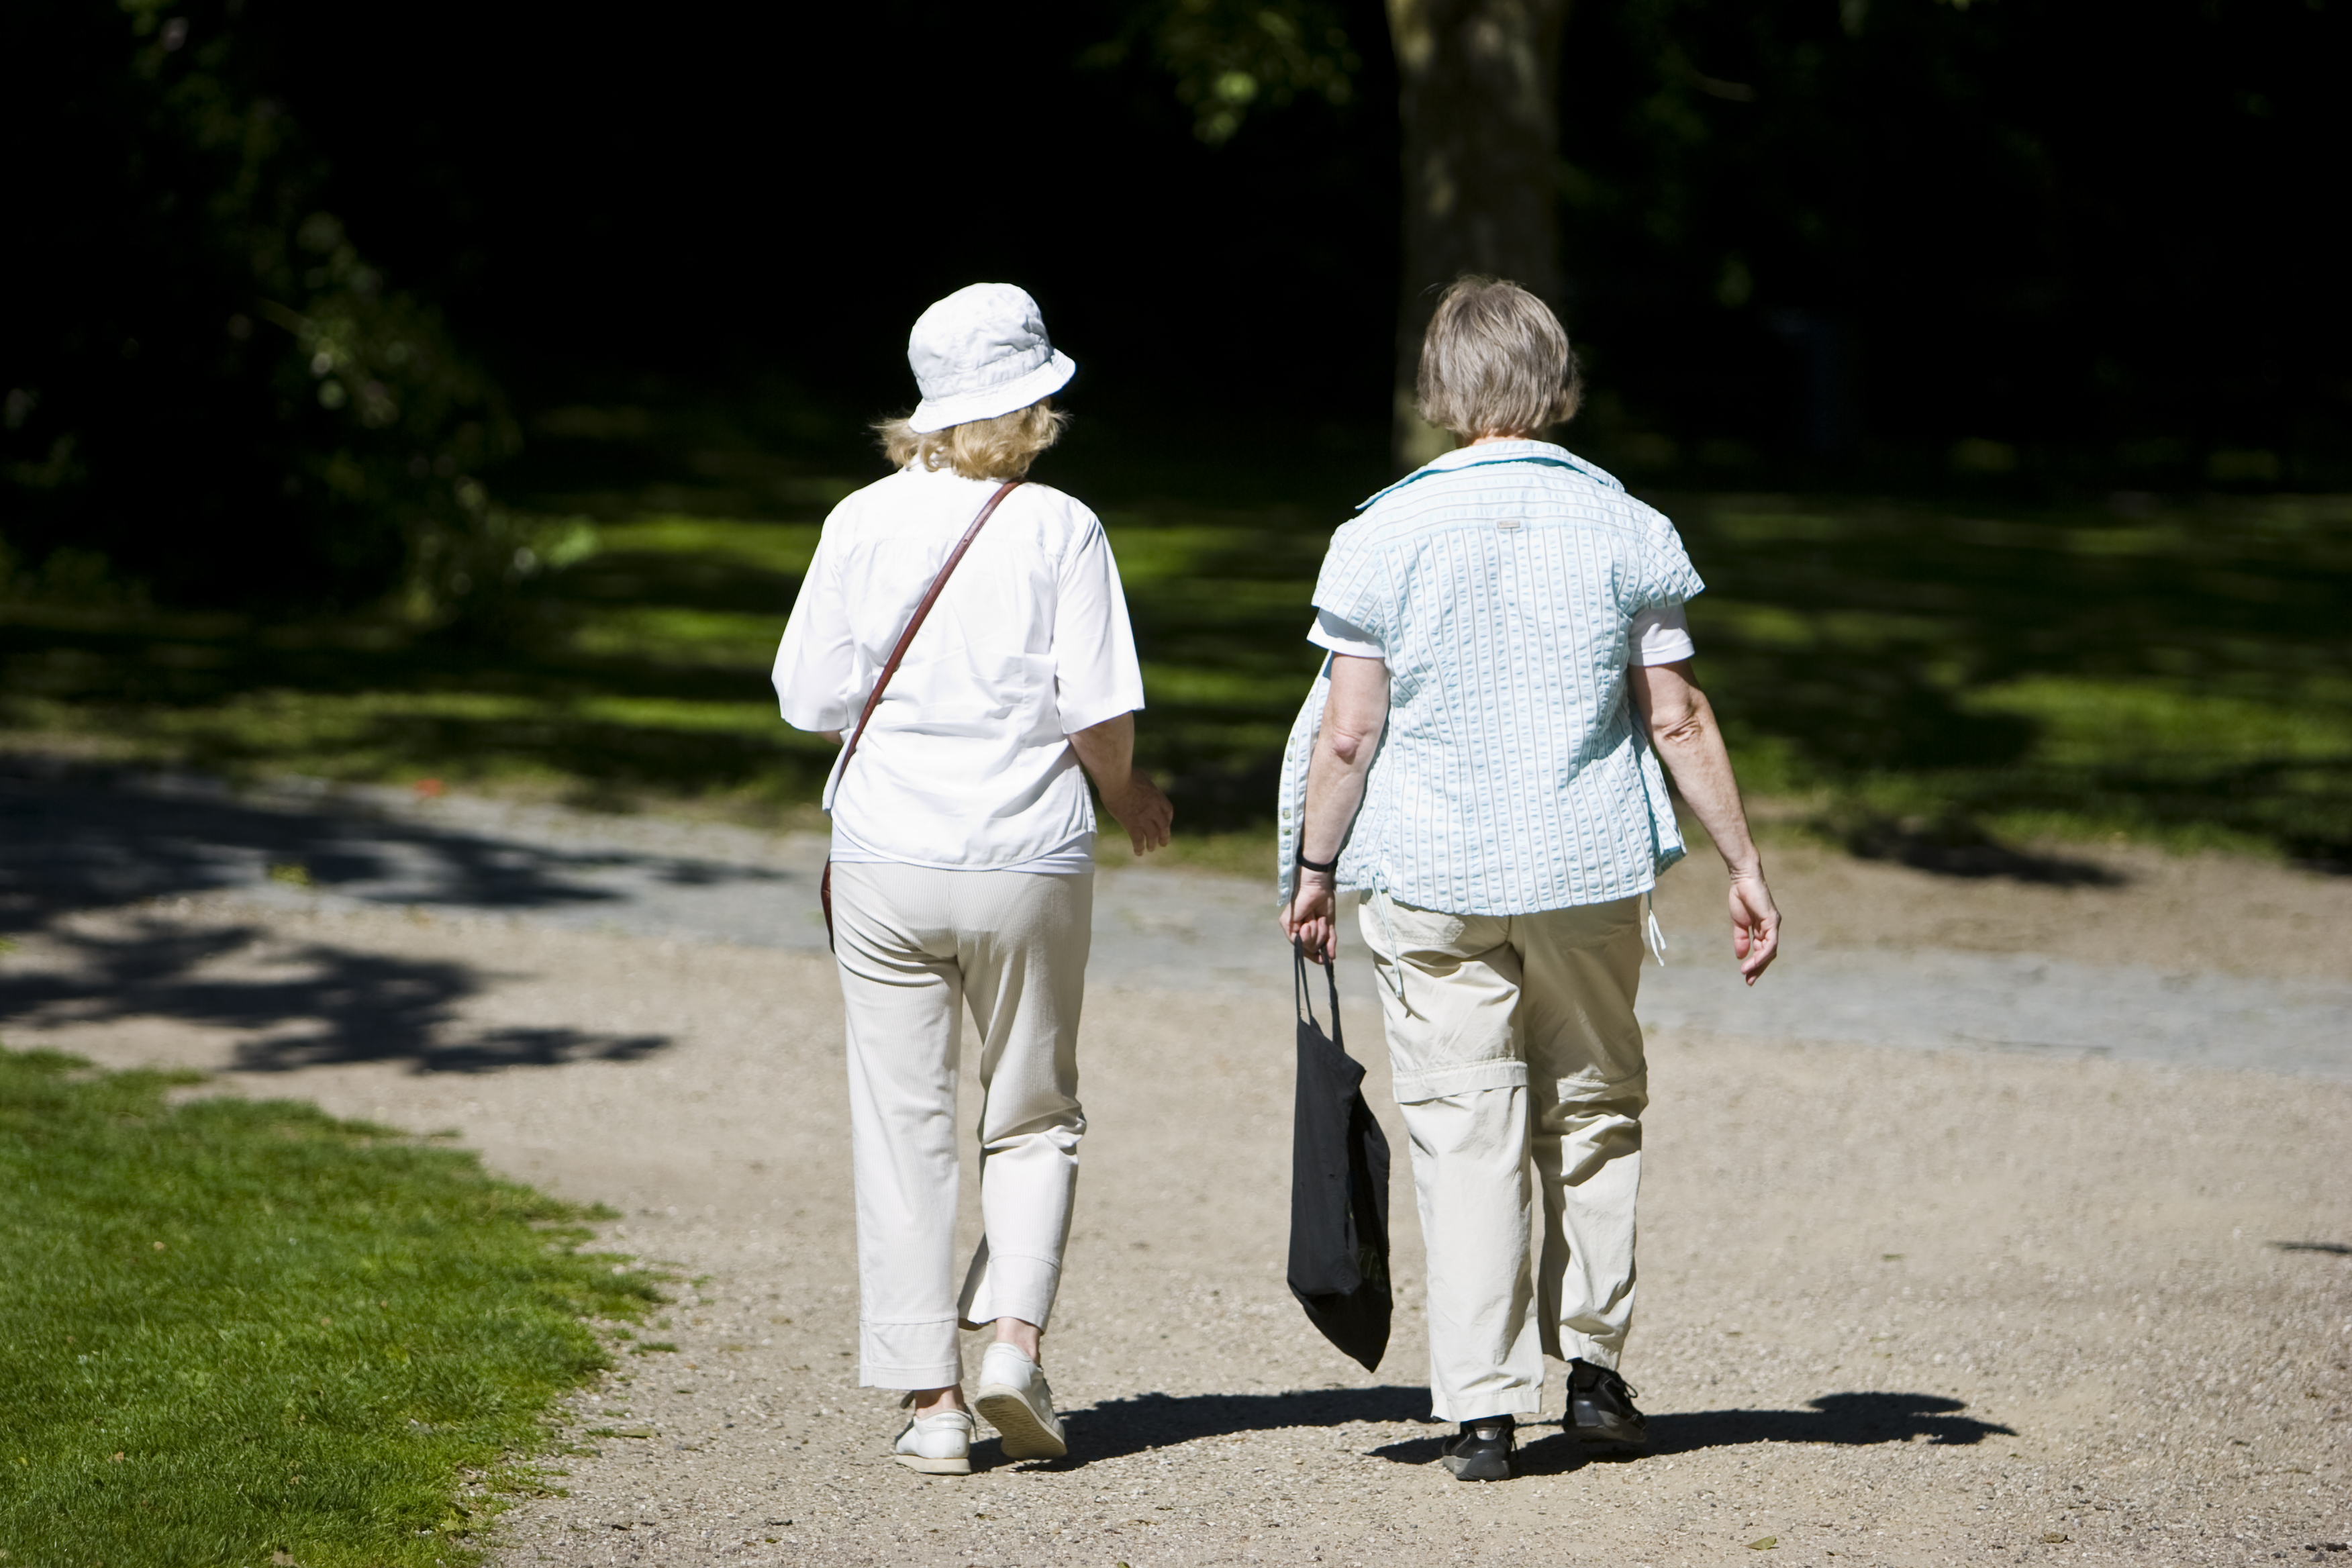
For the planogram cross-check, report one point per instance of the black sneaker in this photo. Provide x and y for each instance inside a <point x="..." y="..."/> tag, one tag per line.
<point x="1600" y="1407"/>
<point x="1481" y="1451"/>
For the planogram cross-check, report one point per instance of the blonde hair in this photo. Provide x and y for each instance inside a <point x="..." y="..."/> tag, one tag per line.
<point x="1495" y="362"/>
<point x="998" y="449"/>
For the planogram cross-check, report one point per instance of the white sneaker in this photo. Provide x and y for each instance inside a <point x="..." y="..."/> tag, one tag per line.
<point x="939" y="1444"/>
<point x="1014" y="1396"/>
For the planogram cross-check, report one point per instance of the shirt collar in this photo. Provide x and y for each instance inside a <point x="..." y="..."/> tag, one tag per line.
<point x="1488" y="453"/>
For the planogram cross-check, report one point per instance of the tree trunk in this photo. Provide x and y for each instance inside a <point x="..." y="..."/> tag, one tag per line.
<point x="1479" y="89"/>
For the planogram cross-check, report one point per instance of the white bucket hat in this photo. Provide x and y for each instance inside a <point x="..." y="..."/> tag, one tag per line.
<point x="980" y="353"/>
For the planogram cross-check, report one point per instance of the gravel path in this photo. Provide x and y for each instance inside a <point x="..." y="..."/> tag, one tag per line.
<point x="2080" y="1292"/>
<point x="2152" y="985"/>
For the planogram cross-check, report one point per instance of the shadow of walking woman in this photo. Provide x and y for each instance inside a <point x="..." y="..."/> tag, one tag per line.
<point x="1847" y="1419"/>
<point x="1118" y="1427"/>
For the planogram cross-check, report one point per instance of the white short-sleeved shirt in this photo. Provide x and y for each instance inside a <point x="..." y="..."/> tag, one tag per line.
<point x="967" y="764"/>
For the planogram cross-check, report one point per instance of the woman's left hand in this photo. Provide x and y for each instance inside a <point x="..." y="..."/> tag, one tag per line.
<point x="1311" y="920"/>
<point x="1755" y="924"/>
<point x="1107" y="750"/>
<point x="1143" y="811"/>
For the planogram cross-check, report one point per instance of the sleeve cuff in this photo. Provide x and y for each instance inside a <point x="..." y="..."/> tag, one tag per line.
<point x="1665" y="647"/>
<point x="815" y="720"/>
<point x="1662" y="635"/>
<point x="1076" y="719"/>
<point x="1342" y="638"/>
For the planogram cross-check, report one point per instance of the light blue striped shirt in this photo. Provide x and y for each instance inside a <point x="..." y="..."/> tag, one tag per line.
<point x="1501" y="583"/>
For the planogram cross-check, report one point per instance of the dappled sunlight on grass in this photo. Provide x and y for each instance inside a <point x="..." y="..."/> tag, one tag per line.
<point x="677" y="636"/>
<point x="2154" y="667"/>
<point x="2171" y="669"/>
<point x="2090" y="724"/>
<point x="785" y="547"/>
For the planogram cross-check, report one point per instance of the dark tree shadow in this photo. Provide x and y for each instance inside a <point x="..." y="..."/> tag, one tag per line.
<point x="1953" y="846"/>
<point x="323" y="1006"/>
<point x="1846" y="1419"/>
<point x="75" y="838"/>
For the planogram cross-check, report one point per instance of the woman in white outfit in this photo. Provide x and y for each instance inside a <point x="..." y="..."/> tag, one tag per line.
<point x="1507" y="647"/>
<point x="963" y="855"/>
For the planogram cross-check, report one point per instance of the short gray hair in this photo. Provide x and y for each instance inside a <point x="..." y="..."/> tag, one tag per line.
<point x="1495" y="362"/>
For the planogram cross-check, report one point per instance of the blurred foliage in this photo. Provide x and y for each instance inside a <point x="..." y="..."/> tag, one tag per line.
<point x="1228" y="55"/>
<point x="2061" y="268"/>
<point x="2007" y="246"/>
<point x="221" y="397"/>
<point x="1887" y="242"/>
<point x="1819" y="243"/>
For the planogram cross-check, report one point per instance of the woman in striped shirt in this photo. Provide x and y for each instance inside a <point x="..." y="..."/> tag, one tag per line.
<point x="1480" y="762"/>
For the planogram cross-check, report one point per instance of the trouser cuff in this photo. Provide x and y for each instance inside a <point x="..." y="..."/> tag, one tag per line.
<point x="1584" y="1348"/>
<point x="910" y="1356"/>
<point x="1520" y="1404"/>
<point x="1006" y="1285"/>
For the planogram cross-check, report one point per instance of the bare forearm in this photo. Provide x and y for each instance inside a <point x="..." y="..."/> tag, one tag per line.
<point x="1682" y="725"/>
<point x="1354" y="714"/>
<point x="1353" y="717"/>
<point x="1334" y="789"/>
<point x="1107" y="751"/>
<point x="1694" y="753"/>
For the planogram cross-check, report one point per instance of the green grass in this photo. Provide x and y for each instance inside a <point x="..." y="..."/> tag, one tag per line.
<point x="2169" y="669"/>
<point x="230" y="1329"/>
<point x="2083" y="724"/>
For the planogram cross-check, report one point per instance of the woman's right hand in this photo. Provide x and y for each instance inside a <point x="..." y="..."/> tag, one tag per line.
<point x="1311" y="920"/>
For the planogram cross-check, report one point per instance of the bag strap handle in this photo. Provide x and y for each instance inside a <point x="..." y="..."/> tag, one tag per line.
<point x="1304" y="1003"/>
<point x="898" y="654"/>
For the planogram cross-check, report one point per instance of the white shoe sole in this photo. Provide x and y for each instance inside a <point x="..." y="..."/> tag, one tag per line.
<point x="1025" y="1437"/>
<point x="922" y="1466"/>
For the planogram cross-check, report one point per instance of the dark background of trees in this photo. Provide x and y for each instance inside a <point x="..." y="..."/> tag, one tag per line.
<point x="1867" y="243"/>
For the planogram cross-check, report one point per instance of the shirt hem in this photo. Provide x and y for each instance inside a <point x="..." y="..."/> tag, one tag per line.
<point x="1066" y="861"/>
<point x="1367" y="882"/>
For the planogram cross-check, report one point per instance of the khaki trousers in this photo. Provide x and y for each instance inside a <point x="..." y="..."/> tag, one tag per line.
<point x="1514" y="1046"/>
<point x="914" y="947"/>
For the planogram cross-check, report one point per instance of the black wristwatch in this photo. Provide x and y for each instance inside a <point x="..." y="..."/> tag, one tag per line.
<point x="1323" y="867"/>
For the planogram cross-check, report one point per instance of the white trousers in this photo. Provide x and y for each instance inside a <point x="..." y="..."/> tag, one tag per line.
<point x="914" y="946"/>
<point x="1514" y="1046"/>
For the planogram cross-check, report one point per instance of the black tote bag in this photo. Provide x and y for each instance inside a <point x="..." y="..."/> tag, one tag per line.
<point x="1338" y="1189"/>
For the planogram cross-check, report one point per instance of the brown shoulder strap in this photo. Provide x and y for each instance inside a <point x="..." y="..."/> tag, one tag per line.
<point x="922" y="610"/>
